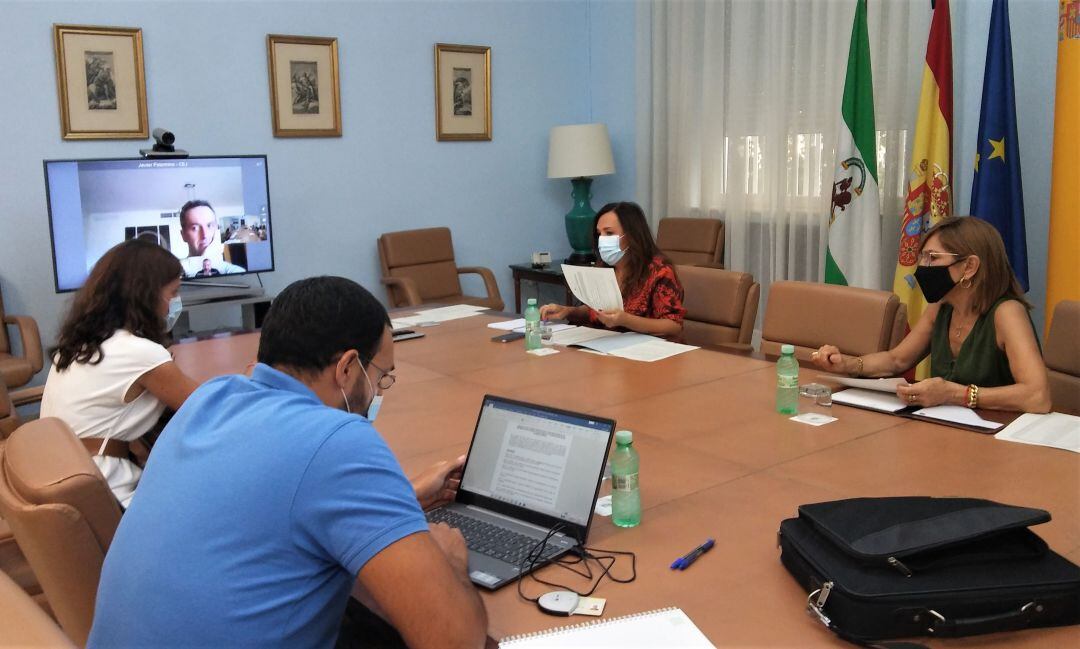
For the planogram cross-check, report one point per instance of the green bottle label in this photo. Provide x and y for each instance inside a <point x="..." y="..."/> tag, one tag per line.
<point x="787" y="381"/>
<point x="627" y="482"/>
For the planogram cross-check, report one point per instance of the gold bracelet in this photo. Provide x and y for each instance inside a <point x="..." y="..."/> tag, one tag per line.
<point x="859" y="369"/>
<point x="973" y="396"/>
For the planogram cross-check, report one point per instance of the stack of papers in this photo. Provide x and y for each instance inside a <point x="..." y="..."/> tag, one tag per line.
<point x="597" y="288"/>
<point x="1056" y="430"/>
<point x="630" y="345"/>
<point x="872" y="399"/>
<point x="878" y="385"/>
<point x="519" y="326"/>
<point x="437" y="315"/>
<point x="957" y="415"/>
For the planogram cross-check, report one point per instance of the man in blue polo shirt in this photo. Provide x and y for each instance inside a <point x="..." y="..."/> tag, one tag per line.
<point x="267" y="499"/>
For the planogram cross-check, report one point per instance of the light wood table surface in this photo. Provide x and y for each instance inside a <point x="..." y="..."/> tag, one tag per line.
<point x="716" y="461"/>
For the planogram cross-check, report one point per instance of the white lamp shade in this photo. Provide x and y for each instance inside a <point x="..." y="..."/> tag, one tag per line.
<point x="579" y="150"/>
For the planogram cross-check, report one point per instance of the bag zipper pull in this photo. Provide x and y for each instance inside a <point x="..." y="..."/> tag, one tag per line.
<point x="895" y="563"/>
<point x="826" y="588"/>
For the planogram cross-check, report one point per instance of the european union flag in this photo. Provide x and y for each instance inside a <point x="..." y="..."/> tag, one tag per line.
<point x="997" y="194"/>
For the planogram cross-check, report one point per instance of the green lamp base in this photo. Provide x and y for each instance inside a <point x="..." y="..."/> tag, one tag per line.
<point x="579" y="224"/>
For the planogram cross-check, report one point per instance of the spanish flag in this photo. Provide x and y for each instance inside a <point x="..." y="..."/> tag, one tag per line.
<point x="930" y="188"/>
<point x="1062" y="270"/>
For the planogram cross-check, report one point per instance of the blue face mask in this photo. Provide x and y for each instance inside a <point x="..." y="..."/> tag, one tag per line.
<point x="608" y="247"/>
<point x="176" y="306"/>
<point x="373" y="405"/>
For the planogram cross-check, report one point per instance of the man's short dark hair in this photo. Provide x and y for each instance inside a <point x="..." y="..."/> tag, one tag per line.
<point x="190" y="205"/>
<point x="315" y="320"/>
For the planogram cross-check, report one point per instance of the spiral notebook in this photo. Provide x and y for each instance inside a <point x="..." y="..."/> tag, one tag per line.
<point x="666" y="627"/>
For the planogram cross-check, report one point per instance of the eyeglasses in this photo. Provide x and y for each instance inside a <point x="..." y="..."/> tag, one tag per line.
<point x="386" y="380"/>
<point x="928" y="258"/>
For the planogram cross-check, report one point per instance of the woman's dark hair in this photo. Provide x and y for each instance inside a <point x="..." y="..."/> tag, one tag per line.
<point x="315" y="320"/>
<point x="968" y="235"/>
<point x="123" y="291"/>
<point x="642" y="249"/>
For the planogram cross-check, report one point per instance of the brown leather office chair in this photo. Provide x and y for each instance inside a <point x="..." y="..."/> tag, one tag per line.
<point x="697" y="242"/>
<point x="1062" y="355"/>
<point x="9" y="419"/>
<point x="809" y="315"/>
<point x="62" y="514"/>
<point x="418" y="267"/>
<point x="721" y="305"/>
<point x="22" y="621"/>
<point x="16" y="371"/>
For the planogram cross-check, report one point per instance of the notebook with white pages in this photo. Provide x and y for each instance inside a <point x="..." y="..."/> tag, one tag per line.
<point x="666" y="627"/>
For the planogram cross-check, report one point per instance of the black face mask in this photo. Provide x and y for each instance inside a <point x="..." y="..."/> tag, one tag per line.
<point x="935" y="281"/>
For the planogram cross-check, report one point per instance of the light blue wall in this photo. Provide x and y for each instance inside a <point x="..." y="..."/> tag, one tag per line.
<point x="1034" y="45"/>
<point x="331" y="197"/>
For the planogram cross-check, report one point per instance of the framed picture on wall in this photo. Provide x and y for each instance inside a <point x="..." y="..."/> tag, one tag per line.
<point x="101" y="82"/>
<point x="462" y="92"/>
<point x="305" y="95"/>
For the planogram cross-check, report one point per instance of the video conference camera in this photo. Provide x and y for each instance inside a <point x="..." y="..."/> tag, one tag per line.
<point x="163" y="146"/>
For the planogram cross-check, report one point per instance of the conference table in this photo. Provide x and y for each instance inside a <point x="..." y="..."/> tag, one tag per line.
<point x="717" y="462"/>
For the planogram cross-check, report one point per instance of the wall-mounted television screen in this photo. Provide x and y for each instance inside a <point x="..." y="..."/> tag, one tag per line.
<point x="213" y="213"/>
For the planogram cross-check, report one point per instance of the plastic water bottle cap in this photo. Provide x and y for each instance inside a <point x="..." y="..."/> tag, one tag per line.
<point x="787" y="349"/>
<point x="532" y="301"/>
<point x="624" y="437"/>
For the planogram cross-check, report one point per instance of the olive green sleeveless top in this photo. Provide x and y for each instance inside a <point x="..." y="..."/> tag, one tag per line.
<point x="980" y="362"/>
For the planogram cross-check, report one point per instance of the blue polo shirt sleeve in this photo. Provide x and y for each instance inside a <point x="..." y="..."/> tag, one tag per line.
<point x="354" y="500"/>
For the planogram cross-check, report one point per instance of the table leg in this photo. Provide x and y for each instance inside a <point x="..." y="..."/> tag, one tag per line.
<point x="517" y="292"/>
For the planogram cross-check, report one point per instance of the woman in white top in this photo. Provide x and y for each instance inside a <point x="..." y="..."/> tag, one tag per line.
<point x="111" y="376"/>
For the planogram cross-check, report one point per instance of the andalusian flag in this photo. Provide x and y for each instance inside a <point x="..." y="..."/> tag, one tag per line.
<point x="1062" y="267"/>
<point x="853" y="256"/>
<point x="929" y="196"/>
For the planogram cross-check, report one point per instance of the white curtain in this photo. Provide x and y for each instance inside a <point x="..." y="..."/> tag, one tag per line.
<point x="738" y="110"/>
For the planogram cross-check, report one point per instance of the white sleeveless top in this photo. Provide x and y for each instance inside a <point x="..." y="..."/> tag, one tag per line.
<point x="90" y="399"/>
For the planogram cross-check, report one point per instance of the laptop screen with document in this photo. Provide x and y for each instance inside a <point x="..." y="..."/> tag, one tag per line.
<point x="538" y="459"/>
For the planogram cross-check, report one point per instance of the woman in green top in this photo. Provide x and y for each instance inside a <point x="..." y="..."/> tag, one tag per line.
<point x="981" y="341"/>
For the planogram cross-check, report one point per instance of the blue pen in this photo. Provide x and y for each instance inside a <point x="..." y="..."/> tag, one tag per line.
<point x="683" y="562"/>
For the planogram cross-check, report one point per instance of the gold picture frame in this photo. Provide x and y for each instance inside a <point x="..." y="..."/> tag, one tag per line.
<point x="303" y="74"/>
<point x="101" y="82"/>
<point x="462" y="113"/>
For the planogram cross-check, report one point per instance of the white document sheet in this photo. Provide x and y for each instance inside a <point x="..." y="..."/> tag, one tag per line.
<point x="629" y="345"/>
<point x="439" y="314"/>
<point x="578" y="335"/>
<point x="1056" y="430"/>
<point x="869" y="399"/>
<point x="878" y="385"/>
<point x="957" y="414"/>
<point x="595" y="287"/>
<point x="519" y="325"/>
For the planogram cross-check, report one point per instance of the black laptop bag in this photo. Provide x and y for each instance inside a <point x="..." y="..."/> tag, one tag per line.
<point x="881" y="568"/>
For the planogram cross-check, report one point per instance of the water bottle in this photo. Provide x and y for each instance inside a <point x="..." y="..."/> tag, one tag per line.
<point x="532" y="325"/>
<point x="625" y="497"/>
<point x="787" y="382"/>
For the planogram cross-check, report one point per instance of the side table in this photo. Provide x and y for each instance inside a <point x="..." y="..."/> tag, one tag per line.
<point x="551" y="274"/>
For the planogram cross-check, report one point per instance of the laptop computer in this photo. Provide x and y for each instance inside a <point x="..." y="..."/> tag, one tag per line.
<point x="529" y="469"/>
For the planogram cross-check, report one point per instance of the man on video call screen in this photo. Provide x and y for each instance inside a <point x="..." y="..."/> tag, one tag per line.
<point x="199" y="229"/>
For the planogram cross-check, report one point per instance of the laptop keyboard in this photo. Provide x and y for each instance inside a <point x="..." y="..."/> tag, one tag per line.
<point x="491" y="540"/>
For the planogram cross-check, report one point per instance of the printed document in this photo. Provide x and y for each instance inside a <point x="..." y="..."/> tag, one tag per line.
<point x="878" y="385"/>
<point x="440" y="314"/>
<point x="595" y="287"/>
<point x="957" y="415"/>
<point x="869" y="399"/>
<point x="632" y="346"/>
<point x="1056" y="430"/>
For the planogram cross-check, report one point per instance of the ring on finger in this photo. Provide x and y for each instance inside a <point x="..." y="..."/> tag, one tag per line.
<point x="911" y="398"/>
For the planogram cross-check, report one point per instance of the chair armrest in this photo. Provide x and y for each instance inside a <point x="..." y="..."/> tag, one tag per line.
<point x="31" y="339"/>
<point x="27" y="395"/>
<point x="406" y="286"/>
<point x="710" y="264"/>
<point x="735" y="348"/>
<point x="490" y="285"/>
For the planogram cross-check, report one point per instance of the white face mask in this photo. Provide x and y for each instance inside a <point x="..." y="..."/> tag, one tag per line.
<point x="373" y="405"/>
<point x="608" y="247"/>
<point x="176" y="306"/>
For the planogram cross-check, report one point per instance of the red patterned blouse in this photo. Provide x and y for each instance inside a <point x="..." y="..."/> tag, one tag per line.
<point x="659" y="296"/>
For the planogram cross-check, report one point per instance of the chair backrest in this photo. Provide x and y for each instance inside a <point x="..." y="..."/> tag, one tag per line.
<point x="809" y="315"/>
<point x="9" y="419"/>
<point x="721" y="305"/>
<point x="691" y="241"/>
<point x="62" y="514"/>
<point x="426" y="256"/>
<point x="23" y="623"/>
<point x="1062" y="355"/>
